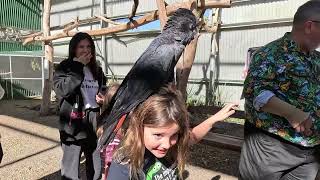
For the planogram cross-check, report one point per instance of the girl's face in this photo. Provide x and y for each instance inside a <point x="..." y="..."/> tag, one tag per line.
<point x="83" y="48"/>
<point x="158" y="140"/>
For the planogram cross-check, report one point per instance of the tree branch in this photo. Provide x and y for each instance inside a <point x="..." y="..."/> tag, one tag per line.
<point x="108" y="20"/>
<point x="72" y="26"/>
<point x="162" y="13"/>
<point x="147" y="18"/>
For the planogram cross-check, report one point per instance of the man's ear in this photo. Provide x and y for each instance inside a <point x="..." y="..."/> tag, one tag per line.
<point x="307" y="27"/>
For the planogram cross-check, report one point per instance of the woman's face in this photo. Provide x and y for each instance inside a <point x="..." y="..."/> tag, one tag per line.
<point x="159" y="140"/>
<point x="83" y="48"/>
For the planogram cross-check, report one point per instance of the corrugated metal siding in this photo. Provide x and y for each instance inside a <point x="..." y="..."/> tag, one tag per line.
<point x="20" y="14"/>
<point x="17" y="46"/>
<point x="64" y="11"/>
<point x="252" y="11"/>
<point x="233" y="47"/>
<point x="233" y="43"/>
<point x="123" y="53"/>
<point x="123" y="7"/>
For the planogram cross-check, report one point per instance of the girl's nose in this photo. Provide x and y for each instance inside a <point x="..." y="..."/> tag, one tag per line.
<point x="166" y="144"/>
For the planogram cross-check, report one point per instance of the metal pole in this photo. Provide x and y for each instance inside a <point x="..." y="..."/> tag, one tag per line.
<point x="11" y="82"/>
<point x="103" y="39"/>
<point x="42" y="75"/>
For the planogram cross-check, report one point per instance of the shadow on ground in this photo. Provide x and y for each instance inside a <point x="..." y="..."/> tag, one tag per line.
<point x="57" y="175"/>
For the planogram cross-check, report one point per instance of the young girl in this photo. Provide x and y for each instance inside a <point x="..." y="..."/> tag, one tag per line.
<point x="156" y="142"/>
<point x="107" y="151"/>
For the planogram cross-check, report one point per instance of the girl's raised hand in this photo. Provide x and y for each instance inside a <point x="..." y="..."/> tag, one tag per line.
<point x="85" y="58"/>
<point x="225" y="112"/>
<point x="100" y="98"/>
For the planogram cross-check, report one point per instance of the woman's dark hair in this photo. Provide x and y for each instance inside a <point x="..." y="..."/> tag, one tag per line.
<point x="72" y="51"/>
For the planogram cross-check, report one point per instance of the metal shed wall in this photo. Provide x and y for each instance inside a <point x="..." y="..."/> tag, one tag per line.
<point x="247" y="24"/>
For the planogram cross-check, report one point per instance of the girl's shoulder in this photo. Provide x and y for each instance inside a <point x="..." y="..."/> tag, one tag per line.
<point x="66" y="63"/>
<point x="153" y="169"/>
<point x="118" y="171"/>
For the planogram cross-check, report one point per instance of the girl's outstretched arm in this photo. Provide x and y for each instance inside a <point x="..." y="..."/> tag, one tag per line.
<point x="198" y="132"/>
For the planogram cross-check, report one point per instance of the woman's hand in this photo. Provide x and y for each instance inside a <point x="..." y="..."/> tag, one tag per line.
<point x="84" y="59"/>
<point x="100" y="98"/>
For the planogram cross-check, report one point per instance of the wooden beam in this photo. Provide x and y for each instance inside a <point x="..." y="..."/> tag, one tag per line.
<point x="206" y="4"/>
<point x="72" y="26"/>
<point x="114" y="29"/>
<point x="32" y="35"/>
<point x="108" y="20"/>
<point x="46" y="92"/>
<point x="162" y="13"/>
<point x="223" y="141"/>
<point x="147" y="18"/>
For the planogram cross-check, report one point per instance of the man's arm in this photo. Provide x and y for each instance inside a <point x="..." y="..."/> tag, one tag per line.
<point x="298" y="119"/>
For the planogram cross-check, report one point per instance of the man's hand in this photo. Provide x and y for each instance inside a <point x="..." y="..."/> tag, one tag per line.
<point x="305" y="127"/>
<point x="299" y="120"/>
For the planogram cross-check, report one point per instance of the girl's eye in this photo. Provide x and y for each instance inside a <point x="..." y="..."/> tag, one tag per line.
<point x="158" y="135"/>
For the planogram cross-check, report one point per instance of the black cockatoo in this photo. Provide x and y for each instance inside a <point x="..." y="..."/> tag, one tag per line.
<point x="152" y="70"/>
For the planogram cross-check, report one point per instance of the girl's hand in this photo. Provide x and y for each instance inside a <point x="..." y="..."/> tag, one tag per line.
<point x="100" y="98"/>
<point x="198" y="132"/>
<point x="84" y="59"/>
<point x="224" y="113"/>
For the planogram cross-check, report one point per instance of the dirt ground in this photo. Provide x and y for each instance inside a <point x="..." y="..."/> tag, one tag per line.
<point x="32" y="149"/>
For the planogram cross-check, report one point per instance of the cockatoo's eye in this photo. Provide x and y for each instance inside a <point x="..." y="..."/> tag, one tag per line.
<point x="191" y="27"/>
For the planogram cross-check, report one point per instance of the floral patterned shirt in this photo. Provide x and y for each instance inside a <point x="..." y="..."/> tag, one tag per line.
<point x="294" y="77"/>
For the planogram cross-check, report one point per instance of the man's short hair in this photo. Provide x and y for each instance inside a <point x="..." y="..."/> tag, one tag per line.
<point x="308" y="11"/>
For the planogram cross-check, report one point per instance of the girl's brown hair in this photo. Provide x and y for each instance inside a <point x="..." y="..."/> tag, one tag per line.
<point x="159" y="110"/>
<point x="111" y="91"/>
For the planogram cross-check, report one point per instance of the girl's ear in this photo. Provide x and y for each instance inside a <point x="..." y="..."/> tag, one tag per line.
<point x="99" y="131"/>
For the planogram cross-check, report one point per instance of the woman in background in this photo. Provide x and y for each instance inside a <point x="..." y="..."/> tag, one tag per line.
<point x="77" y="81"/>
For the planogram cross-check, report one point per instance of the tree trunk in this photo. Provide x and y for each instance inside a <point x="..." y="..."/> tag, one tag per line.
<point x="46" y="92"/>
<point x="184" y="66"/>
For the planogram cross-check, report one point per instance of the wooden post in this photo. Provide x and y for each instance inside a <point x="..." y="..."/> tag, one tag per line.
<point x="185" y="62"/>
<point x="184" y="66"/>
<point x="46" y="92"/>
<point x="162" y="13"/>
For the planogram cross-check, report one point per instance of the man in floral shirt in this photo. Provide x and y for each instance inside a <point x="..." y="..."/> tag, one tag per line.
<point x="282" y="91"/>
